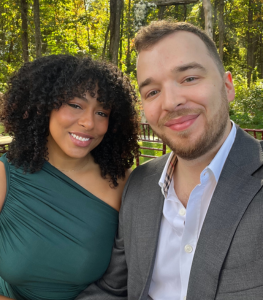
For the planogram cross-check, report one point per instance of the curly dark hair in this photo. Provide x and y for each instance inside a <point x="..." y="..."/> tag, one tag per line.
<point x="49" y="82"/>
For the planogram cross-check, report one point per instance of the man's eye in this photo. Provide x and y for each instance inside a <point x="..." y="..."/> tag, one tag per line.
<point x="190" y="79"/>
<point x="74" y="105"/>
<point x="152" y="93"/>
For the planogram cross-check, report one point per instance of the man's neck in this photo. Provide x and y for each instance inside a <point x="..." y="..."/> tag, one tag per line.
<point x="187" y="172"/>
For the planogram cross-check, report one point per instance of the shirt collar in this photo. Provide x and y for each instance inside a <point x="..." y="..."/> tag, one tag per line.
<point x="215" y="166"/>
<point x="219" y="160"/>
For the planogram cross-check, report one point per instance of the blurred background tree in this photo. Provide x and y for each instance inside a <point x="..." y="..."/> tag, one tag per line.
<point x="105" y="29"/>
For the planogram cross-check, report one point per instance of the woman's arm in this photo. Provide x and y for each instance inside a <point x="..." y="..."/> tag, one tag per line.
<point x="2" y="187"/>
<point x="4" y="298"/>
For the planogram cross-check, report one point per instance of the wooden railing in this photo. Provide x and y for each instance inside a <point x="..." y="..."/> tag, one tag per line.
<point x="4" y="142"/>
<point x="147" y="135"/>
<point x="257" y="133"/>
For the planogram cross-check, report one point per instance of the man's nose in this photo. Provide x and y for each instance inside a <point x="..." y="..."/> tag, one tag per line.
<point x="87" y="120"/>
<point x="172" y="97"/>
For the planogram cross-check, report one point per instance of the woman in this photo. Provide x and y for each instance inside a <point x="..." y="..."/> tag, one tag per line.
<point x="75" y="131"/>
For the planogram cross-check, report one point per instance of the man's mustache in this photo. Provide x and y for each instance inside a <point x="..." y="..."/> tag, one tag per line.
<point x="179" y="113"/>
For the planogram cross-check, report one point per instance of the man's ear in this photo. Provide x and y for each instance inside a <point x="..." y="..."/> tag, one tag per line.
<point x="230" y="90"/>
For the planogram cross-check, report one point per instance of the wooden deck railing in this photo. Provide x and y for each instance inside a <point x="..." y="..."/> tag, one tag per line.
<point x="147" y="135"/>
<point x="257" y="133"/>
<point x="4" y="142"/>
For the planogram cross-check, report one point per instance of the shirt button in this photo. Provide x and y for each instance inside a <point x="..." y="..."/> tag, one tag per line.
<point x="188" y="248"/>
<point x="182" y="212"/>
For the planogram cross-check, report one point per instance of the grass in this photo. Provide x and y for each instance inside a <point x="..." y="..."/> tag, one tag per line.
<point x="150" y="151"/>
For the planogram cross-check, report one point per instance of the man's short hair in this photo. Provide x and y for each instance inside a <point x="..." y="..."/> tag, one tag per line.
<point x="149" y="35"/>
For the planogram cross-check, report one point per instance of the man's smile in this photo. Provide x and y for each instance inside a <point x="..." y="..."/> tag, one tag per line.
<point x="181" y="123"/>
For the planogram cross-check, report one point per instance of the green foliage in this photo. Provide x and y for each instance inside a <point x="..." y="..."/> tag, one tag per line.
<point x="247" y="108"/>
<point x="79" y="27"/>
<point x="66" y="27"/>
<point x="2" y="129"/>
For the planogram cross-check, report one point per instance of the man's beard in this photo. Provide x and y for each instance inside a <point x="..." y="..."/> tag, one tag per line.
<point x="212" y="134"/>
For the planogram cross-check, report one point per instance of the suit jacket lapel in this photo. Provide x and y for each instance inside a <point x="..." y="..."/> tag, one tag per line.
<point x="149" y="215"/>
<point x="235" y="190"/>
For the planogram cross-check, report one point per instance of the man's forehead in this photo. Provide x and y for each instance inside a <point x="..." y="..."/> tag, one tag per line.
<point x="181" y="44"/>
<point x="185" y="36"/>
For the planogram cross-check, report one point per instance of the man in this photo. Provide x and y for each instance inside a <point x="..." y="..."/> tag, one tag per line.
<point x="191" y="222"/>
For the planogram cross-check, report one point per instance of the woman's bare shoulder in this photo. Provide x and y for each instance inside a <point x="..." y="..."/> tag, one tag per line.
<point x="2" y="184"/>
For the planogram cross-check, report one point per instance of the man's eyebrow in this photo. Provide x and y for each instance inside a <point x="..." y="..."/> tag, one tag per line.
<point x="191" y="65"/>
<point x="144" y="83"/>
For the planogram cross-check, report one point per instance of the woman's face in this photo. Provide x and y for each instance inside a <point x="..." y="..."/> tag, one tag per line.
<point x="77" y="127"/>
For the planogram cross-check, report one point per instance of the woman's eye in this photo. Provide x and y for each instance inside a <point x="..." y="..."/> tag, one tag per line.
<point x="74" y="105"/>
<point x="102" y="114"/>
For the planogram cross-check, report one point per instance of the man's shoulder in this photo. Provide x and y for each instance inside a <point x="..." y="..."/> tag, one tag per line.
<point x="153" y="166"/>
<point x="144" y="180"/>
<point x="246" y="152"/>
<point x="246" y="140"/>
<point x="150" y="171"/>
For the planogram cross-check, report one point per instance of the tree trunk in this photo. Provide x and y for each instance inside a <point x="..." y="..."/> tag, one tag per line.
<point x="121" y="37"/>
<point x="128" y="56"/>
<point x="176" y="12"/>
<point x="261" y="57"/>
<point x="87" y="26"/>
<point x="115" y="17"/>
<point x="215" y="16"/>
<point x="249" y="43"/>
<point x="24" y="35"/>
<point x="185" y="12"/>
<point x="37" y="28"/>
<point x="105" y="42"/>
<point x="221" y="27"/>
<point x="208" y="18"/>
<point x="10" y="50"/>
<point x="161" y="12"/>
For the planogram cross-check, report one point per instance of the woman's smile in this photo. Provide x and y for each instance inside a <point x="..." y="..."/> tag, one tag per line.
<point x="77" y="127"/>
<point x="80" y="139"/>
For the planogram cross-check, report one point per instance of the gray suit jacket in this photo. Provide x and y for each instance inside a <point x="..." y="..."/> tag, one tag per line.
<point x="228" y="261"/>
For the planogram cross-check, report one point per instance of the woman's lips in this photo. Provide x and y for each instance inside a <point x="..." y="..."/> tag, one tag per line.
<point x="80" y="139"/>
<point x="181" y="123"/>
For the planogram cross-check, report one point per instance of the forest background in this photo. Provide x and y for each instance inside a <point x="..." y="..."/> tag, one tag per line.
<point x="105" y="29"/>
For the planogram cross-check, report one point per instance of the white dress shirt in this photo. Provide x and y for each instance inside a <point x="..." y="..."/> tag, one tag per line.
<point x="180" y="229"/>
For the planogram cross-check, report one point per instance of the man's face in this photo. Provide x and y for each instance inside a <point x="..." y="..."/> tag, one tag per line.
<point x="185" y="98"/>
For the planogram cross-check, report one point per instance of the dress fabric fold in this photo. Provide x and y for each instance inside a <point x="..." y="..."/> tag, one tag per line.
<point x="55" y="237"/>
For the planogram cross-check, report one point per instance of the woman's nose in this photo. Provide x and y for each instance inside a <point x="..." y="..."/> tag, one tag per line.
<point x="87" y="121"/>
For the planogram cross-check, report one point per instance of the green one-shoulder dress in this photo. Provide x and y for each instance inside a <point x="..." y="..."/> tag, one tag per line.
<point x="55" y="237"/>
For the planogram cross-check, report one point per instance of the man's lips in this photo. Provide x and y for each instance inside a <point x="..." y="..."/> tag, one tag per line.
<point x="181" y="123"/>
<point x="180" y="120"/>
